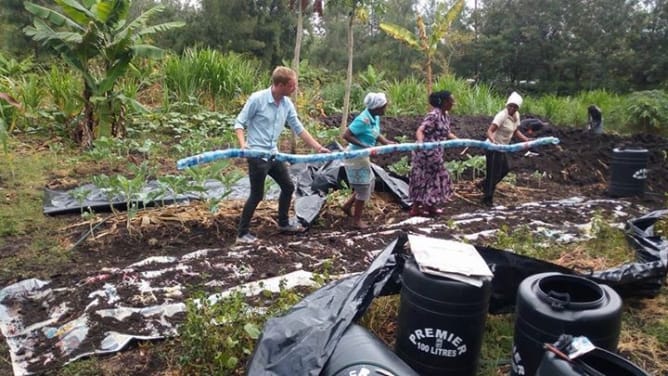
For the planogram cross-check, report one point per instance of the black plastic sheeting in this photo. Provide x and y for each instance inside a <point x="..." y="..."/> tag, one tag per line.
<point x="312" y="184"/>
<point x="301" y="341"/>
<point x="646" y="276"/>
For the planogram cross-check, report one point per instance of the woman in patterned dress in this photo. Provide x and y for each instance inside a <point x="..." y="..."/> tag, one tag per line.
<point x="430" y="185"/>
<point x="363" y="132"/>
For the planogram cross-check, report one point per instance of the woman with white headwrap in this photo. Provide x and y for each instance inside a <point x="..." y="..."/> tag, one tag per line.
<point x="503" y="128"/>
<point x="363" y="132"/>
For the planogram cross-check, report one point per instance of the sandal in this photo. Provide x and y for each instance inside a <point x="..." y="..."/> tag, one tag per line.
<point x="419" y="212"/>
<point x="436" y="211"/>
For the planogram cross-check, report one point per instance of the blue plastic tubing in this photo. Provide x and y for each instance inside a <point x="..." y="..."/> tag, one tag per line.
<point x="211" y="156"/>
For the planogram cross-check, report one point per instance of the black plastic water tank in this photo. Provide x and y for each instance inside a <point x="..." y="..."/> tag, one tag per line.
<point x="551" y="304"/>
<point x="603" y="361"/>
<point x="360" y="353"/>
<point x="628" y="172"/>
<point x="441" y="323"/>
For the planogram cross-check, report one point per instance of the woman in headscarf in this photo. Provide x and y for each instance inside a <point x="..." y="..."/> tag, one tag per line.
<point x="504" y="126"/>
<point x="363" y="132"/>
<point x="430" y="185"/>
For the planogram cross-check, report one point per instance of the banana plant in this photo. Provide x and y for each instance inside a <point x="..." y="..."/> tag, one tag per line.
<point x="96" y="38"/>
<point x="423" y="43"/>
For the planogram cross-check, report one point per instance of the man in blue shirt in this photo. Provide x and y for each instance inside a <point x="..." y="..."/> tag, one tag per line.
<point x="264" y="116"/>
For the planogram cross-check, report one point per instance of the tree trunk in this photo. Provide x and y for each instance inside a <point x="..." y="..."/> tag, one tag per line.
<point x="349" y="74"/>
<point x="429" y="75"/>
<point x="295" y="65"/>
<point x="84" y="134"/>
<point x="118" y="122"/>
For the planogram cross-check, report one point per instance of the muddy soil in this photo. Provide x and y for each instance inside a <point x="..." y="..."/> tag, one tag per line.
<point x="578" y="166"/>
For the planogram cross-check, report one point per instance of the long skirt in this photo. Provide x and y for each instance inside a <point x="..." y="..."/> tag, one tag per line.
<point x="430" y="183"/>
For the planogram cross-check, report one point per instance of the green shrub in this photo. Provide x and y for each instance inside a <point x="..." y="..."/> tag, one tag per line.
<point x="647" y="111"/>
<point x="217" y="338"/>
<point x="333" y="93"/>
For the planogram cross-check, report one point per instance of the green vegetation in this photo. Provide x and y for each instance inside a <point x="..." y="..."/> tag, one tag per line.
<point x="99" y="42"/>
<point x="217" y="338"/>
<point x="99" y="87"/>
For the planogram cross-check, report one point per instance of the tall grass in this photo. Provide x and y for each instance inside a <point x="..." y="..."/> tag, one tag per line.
<point x="406" y="97"/>
<point x="471" y="99"/>
<point x="572" y="110"/>
<point x="212" y="77"/>
<point x="208" y="79"/>
<point x="65" y="89"/>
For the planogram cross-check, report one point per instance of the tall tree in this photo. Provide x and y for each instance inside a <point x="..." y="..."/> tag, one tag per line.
<point x="96" y="39"/>
<point x="300" y="7"/>
<point x="262" y="28"/>
<point x="562" y="45"/>
<point x="13" y="17"/>
<point x="355" y="10"/>
<point x="649" y="38"/>
<point x="427" y="44"/>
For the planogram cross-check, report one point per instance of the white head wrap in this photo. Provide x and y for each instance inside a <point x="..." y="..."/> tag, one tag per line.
<point x="514" y="98"/>
<point x="375" y="100"/>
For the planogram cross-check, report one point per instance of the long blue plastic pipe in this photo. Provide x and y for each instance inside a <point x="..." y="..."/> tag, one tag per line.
<point x="210" y="156"/>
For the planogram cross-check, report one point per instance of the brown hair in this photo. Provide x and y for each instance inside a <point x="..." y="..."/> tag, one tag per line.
<point x="281" y="75"/>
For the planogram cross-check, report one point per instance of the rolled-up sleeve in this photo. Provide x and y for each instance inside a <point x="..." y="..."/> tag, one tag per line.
<point x="292" y="118"/>
<point x="242" y="119"/>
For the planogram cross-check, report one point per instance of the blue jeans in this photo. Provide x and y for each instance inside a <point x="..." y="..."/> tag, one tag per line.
<point x="258" y="169"/>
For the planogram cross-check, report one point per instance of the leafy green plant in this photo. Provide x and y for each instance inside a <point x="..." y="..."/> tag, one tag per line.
<point x="456" y="168"/>
<point x="333" y="93"/>
<point x="511" y="178"/>
<point x="538" y="176"/>
<point x="371" y="79"/>
<point x="647" y="111"/>
<point x="477" y="165"/>
<point x="471" y="99"/>
<point x="217" y="338"/>
<point x="80" y="194"/>
<point x="401" y="167"/>
<point x="10" y="108"/>
<point x="31" y="92"/>
<point x="522" y="241"/>
<point x="105" y="148"/>
<point x="173" y="184"/>
<point x="128" y="189"/>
